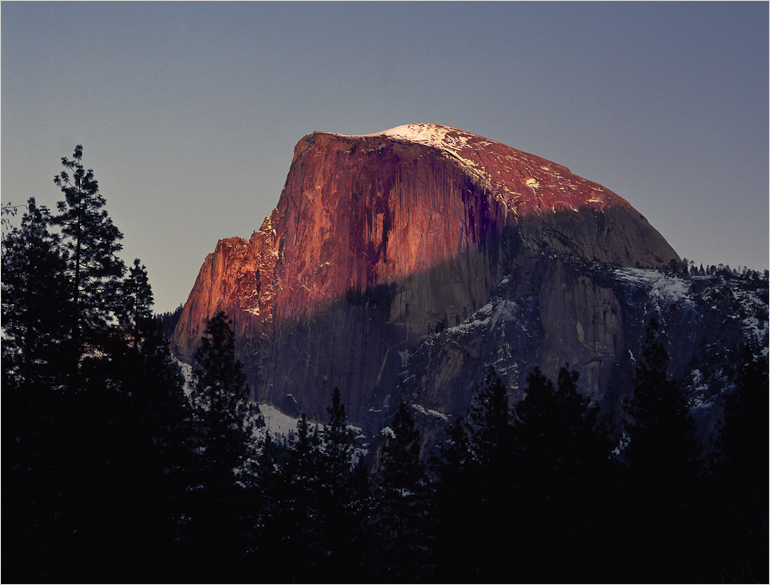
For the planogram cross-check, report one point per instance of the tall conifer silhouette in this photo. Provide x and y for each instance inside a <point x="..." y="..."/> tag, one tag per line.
<point x="92" y="243"/>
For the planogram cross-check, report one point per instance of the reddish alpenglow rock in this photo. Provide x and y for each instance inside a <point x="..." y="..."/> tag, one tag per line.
<point x="422" y="221"/>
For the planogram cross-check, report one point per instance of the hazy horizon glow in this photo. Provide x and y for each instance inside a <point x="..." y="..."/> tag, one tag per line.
<point x="189" y="112"/>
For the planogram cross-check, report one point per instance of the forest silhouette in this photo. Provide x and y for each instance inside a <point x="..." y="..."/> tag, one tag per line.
<point x="113" y="471"/>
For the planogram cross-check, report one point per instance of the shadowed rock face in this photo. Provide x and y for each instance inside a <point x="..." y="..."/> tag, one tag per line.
<point x="379" y="241"/>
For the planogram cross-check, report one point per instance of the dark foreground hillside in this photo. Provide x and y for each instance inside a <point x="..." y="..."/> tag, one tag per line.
<point x="116" y="469"/>
<point x="126" y="480"/>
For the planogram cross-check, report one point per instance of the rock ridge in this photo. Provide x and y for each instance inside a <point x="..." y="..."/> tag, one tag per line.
<point x="381" y="239"/>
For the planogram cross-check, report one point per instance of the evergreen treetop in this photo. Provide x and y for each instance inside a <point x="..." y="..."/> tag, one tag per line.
<point x="402" y="468"/>
<point x="661" y="432"/>
<point x="490" y="418"/>
<point x="337" y="449"/>
<point x="92" y="243"/>
<point x="220" y="402"/>
<point x="137" y="295"/>
<point x="34" y="300"/>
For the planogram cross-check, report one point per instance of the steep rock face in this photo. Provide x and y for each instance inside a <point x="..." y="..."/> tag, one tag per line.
<point x="601" y="313"/>
<point x="232" y="278"/>
<point x="379" y="241"/>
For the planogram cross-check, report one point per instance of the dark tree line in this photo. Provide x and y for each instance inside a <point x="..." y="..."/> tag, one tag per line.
<point x="114" y="472"/>
<point x="92" y="404"/>
<point x="169" y="320"/>
<point x="687" y="267"/>
<point x="537" y="491"/>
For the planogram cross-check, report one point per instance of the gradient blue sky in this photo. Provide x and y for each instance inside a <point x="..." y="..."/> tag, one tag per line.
<point x="189" y="112"/>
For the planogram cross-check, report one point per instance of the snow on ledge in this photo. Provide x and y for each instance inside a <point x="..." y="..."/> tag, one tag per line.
<point x="435" y="135"/>
<point x="660" y="285"/>
<point x="430" y="134"/>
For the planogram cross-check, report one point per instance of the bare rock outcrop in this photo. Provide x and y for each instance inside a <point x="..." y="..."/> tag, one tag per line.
<point x="379" y="242"/>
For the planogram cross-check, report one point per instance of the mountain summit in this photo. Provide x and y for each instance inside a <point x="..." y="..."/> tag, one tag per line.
<point x="524" y="183"/>
<point x="381" y="242"/>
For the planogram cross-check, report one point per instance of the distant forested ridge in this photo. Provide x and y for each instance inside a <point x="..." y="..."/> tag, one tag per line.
<point x="116" y="469"/>
<point x="169" y="320"/>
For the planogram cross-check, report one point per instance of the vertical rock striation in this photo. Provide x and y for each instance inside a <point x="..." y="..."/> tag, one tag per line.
<point x="379" y="242"/>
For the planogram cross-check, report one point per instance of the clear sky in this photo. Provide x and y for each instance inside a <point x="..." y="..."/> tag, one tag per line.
<point x="189" y="112"/>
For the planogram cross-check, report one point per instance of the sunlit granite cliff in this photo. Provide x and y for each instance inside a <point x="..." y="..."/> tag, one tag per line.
<point x="381" y="245"/>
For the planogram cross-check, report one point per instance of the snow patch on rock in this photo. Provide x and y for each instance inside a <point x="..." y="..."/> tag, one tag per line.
<point x="660" y="286"/>
<point x="431" y="413"/>
<point x="277" y="423"/>
<point x="447" y="139"/>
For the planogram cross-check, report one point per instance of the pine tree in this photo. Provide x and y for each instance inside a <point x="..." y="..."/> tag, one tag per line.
<point x="662" y="434"/>
<point x="492" y="443"/>
<point x="490" y="423"/>
<point x="741" y="449"/>
<point x="142" y="455"/>
<point x="453" y="459"/>
<point x="302" y="468"/>
<point x="92" y="475"/>
<point x="536" y="461"/>
<point x="402" y="468"/>
<point x="92" y="242"/>
<point x="340" y="526"/>
<point x="131" y="425"/>
<point x="486" y="516"/>
<point x="337" y="451"/>
<point x="293" y="515"/>
<point x="557" y="431"/>
<point x="402" y="503"/>
<point x="740" y="468"/>
<point x="137" y="298"/>
<point x="562" y="461"/>
<point x="534" y="410"/>
<point x="224" y="422"/>
<point x="663" y="467"/>
<point x="169" y="321"/>
<point x="268" y="464"/>
<point x="34" y="301"/>
<point x="220" y="402"/>
<point x="456" y="505"/>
